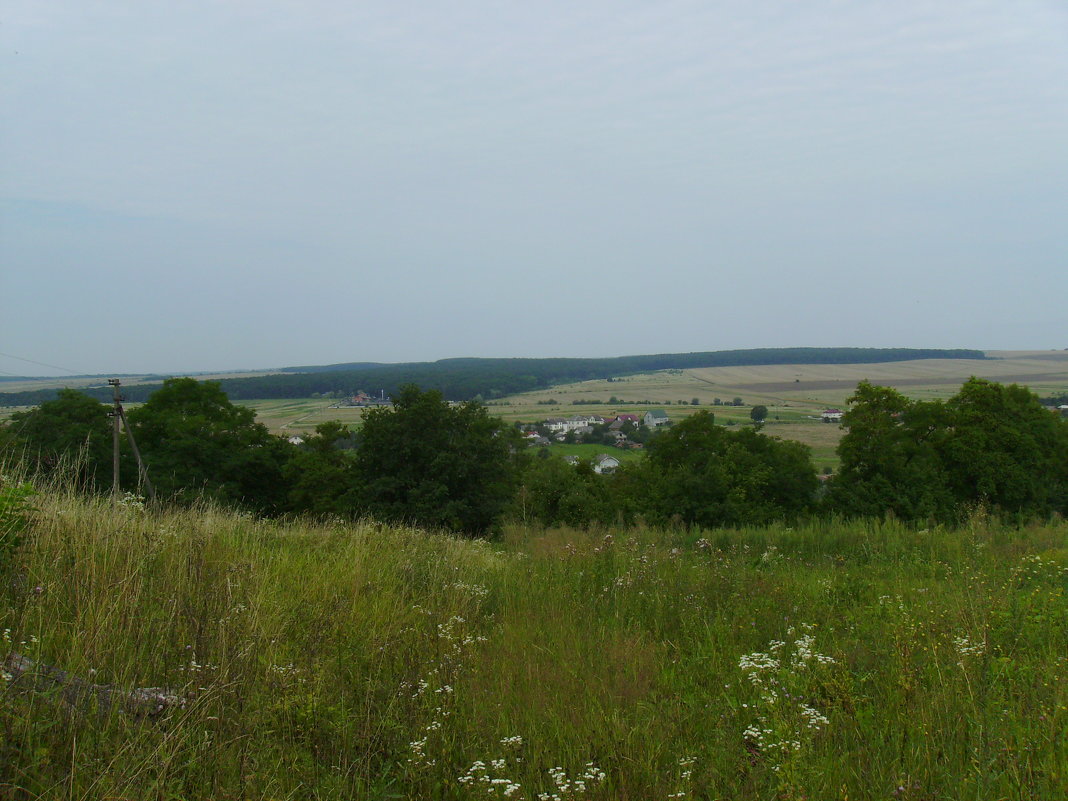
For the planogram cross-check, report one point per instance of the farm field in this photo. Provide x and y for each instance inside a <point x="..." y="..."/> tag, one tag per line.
<point x="810" y="388"/>
<point x="794" y="394"/>
<point x="299" y="660"/>
<point x="301" y="416"/>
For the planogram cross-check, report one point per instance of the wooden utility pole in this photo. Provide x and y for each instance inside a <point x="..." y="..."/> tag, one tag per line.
<point x="119" y="415"/>
<point x="116" y="418"/>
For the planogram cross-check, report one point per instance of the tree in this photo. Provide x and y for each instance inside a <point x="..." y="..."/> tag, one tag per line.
<point x="1005" y="449"/>
<point x="321" y="475"/>
<point x="553" y="492"/>
<point x="890" y="457"/>
<point x="758" y="414"/>
<point x="702" y="474"/>
<point x="435" y="465"/>
<point x="195" y="441"/>
<point x="987" y="444"/>
<point x="74" y="430"/>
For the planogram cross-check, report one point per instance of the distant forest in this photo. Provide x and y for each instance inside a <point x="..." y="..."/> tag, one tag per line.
<point x="464" y="379"/>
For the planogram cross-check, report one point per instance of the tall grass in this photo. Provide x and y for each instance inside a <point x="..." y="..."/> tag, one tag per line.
<point x="334" y="661"/>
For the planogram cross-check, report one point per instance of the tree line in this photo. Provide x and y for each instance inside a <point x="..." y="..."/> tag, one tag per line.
<point x="464" y="379"/>
<point x="442" y="465"/>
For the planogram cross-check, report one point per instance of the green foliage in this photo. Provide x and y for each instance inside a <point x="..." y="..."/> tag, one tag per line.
<point x="195" y="441"/>
<point x="698" y="473"/>
<point x="758" y="414"/>
<point x="72" y="431"/>
<point x="555" y="493"/>
<point x="321" y="474"/>
<point x="987" y="445"/>
<point x="426" y="462"/>
<point x="889" y="457"/>
<point x="1005" y="449"/>
<point x="15" y="511"/>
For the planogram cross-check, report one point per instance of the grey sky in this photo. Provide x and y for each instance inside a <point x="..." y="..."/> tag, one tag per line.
<point x="198" y="186"/>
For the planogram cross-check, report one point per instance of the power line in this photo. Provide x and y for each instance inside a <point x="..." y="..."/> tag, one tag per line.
<point x="42" y="364"/>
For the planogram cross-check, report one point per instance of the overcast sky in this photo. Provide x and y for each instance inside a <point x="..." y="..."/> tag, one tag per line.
<point x="194" y="186"/>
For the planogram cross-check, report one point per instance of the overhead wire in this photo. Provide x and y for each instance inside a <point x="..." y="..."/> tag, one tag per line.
<point x="41" y="364"/>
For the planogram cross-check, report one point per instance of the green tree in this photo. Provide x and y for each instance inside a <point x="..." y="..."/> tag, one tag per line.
<point x="426" y="462"/>
<point x="988" y="444"/>
<point x="553" y="493"/>
<point x="73" y="430"/>
<point x="699" y="473"/>
<point x="890" y="457"/>
<point x="758" y="414"/>
<point x="321" y="475"/>
<point x="1006" y="449"/>
<point x="195" y="441"/>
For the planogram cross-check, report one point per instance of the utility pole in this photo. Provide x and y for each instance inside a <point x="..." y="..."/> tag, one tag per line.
<point x="119" y="415"/>
<point x="116" y="418"/>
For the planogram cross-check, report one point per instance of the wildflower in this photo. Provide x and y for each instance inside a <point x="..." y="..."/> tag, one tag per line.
<point x="782" y="678"/>
<point x="966" y="648"/>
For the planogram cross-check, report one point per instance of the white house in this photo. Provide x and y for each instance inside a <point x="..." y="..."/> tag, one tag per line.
<point x="655" y="417"/>
<point x="831" y="416"/>
<point x="579" y="421"/>
<point x="605" y="463"/>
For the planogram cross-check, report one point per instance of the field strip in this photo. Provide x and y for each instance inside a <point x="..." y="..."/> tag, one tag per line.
<point x="846" y="383"/>
<point x="302" y="418"/>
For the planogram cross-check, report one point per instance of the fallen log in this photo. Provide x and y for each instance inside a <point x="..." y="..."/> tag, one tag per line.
<point x="23" y="674"/>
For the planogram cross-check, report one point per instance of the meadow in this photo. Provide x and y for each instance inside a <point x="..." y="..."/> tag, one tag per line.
<point x="333" y="660"/>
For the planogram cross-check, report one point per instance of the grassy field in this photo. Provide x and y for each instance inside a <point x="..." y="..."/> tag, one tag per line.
<point x="593" y="451"/>
<point x="337" y="661"/>
<point x="810" y="387"/>
<point x="301" y="416"/>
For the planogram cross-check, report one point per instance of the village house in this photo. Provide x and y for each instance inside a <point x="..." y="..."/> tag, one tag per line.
<point x="831" y="416"/>
<point x="605" y="464"/>
<point x="580" y="422"/>
<point x="656" y="417"/>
